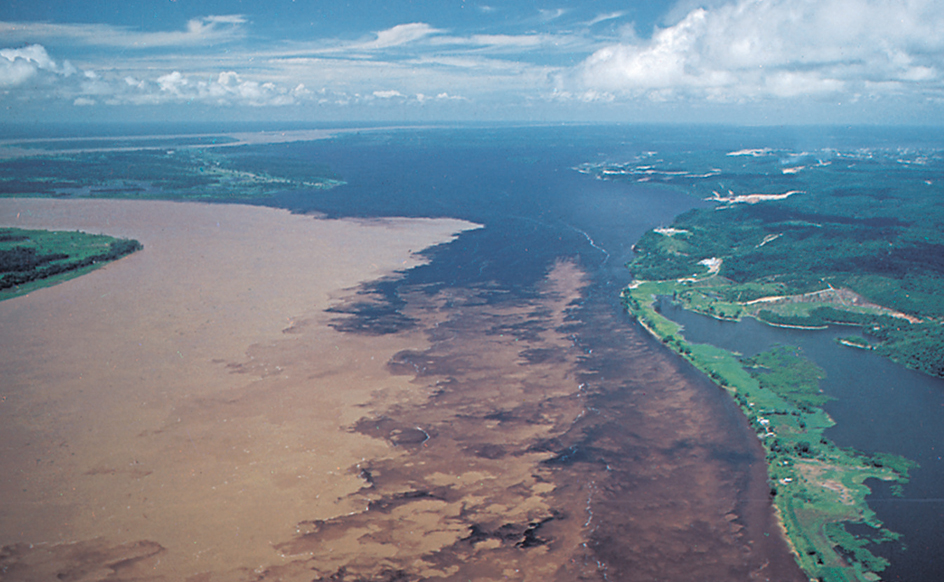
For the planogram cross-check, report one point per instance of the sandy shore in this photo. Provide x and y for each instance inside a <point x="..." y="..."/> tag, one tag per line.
<point x="142" y="422"/>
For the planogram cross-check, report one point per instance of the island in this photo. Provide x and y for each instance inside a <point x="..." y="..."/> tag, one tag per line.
<point x="30" y="259"/>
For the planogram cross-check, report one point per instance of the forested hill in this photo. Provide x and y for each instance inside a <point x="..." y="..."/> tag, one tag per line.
<point x="806" y="239"/>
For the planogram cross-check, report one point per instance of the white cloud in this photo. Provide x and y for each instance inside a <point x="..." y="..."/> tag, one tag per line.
<point x="209" y="25"/>
<point x="172" y="83"/>
<point x="205" y="30"/>
<point x="514" y="46"/>
<point x="549" y="15"/>
<point x="227" y="88"/>
<point x="398" y="35"/>
<point x="470" y="63"/>
<point x="475" y="78"/>
<point x="15" y="70"/>
<point x="387" y="94"/>
<point x="18" y="65"/>
<point x="604" y="17"/>
<point x="755" y="49"/>
<point x="39" y="76"/>
<point x="34" y="54"/>
<point x="510" y="40"/>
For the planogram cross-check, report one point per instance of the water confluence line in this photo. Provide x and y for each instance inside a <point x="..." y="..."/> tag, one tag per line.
<point x="592" y="243"/>
<point x="574" y="228"/>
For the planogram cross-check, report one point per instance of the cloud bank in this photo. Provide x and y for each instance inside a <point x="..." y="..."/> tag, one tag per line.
<point x="788" y="54"/>
<point x="762" y="49"/>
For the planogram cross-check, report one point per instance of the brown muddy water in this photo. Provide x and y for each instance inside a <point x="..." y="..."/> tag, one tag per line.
<point x="193" y="412"/>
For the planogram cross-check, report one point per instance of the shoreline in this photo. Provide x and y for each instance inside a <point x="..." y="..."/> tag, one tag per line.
<point x="9" y="147"/>
<point x="802" y="475"/>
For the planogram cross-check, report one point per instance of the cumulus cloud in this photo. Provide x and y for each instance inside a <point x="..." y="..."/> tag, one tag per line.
<point x="18" y="65"/>
<point x="747" y="49"/>
<point x="173" y="83"/>
<point x="447" y="96"/>
<point x="443" y="96"/>
<point x="36" y="75"/>
<point x="226" y="88"/>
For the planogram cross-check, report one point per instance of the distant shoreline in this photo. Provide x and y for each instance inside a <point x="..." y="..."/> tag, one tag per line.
<point x="9" y="149"/>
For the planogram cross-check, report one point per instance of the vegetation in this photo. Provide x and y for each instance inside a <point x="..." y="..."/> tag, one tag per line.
<point x="36" y="258"/>
<point x="817" y="487"/>
<point x="189" y="174"/>
<point x="858" y="242"/>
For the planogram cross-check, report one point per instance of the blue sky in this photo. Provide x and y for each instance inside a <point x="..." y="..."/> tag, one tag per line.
<point x="751" y="61"/>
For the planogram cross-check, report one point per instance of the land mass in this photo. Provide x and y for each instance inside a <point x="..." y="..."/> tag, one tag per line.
<point x="816" y="486"/>
<point x="849" y="238"/>
<point x="30" y="259"/>
<point x="180" y="170"/>
<point x="838" y="238"/>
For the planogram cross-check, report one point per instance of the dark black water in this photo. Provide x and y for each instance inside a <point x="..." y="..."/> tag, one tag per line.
<point x="879" y="406"/>
<point x="519" y="184"/>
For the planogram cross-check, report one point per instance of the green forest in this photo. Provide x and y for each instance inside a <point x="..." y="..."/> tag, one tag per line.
<point x="867" y="221"/>
<point x="36" y="258"/>
<point x="184" y="174"/>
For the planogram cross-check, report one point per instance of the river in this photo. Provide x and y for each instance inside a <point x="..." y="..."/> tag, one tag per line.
<point x="674" y="482"/>
<point x="533" y="431"/>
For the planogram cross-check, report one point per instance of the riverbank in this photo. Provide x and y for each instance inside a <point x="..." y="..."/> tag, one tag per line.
<point x="815" y="486"/>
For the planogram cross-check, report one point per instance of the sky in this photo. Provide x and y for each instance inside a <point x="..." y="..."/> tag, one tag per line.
<point x="714" y="61"/>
